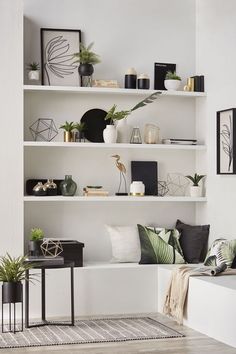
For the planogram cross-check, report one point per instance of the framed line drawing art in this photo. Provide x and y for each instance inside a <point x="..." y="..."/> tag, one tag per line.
<point x="226" y="141"/>
<point x="57" y="56"/>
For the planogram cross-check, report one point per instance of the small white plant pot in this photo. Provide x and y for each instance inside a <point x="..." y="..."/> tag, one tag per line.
<point x="195" y="191"/>
<point x="110" y="134"/>
<point x="33" y="75"/>
<point x="172" y="85"/>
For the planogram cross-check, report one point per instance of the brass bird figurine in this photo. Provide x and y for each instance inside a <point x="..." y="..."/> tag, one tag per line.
<point x="122" y="169"/>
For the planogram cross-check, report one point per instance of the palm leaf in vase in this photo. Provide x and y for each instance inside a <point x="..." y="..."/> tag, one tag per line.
<point x="57" y="60"/>
<point x="146" y="101"/>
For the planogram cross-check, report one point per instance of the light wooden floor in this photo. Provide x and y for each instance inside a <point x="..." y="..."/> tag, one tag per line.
<point x="193" y="343"/>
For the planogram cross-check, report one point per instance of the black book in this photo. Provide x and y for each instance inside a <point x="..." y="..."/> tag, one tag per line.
<point x="160" y="70"/>
<point x="202" y="84"/>
<point x="145" y="171"/>
<point x="197" y="87"/>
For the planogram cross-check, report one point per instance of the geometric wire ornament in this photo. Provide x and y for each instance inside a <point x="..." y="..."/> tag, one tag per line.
<point x="162" y="188"/>
<point x="51" y="248"/>
<point x="43" y="129"/>
<point x="177" y="184"/>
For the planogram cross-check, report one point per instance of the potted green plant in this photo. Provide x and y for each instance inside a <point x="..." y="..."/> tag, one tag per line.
<point x="36" y="239"/>
<point x="33" y="71"/>
<point x="68" y="128"/>
<point x="172" y="81"/>
<point x="79" y="131"/>
<point x="110" y="132"/>
<point x="87" y="59"/>
<point x="12" y="273"/>
<point x="195" y="189"/>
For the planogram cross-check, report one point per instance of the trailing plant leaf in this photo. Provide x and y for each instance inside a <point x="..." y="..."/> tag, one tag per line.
<point x="146" y="101"/>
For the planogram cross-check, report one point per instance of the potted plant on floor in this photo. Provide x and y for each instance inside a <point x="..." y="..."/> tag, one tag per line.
<point x="172" y="81"/>
<point x="36" y="239"/>
<point x="33" y="73"/>
<point x="12" y="273"/>
<point x="110" y="132"/>
<point x="87" y="59"/>
<point x="195" y="189"/>
<point x="68" y="128"/>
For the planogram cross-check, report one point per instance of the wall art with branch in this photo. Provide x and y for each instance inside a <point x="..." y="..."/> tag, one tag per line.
<point x="226" y="141"/>
<point x="57" y="54"/>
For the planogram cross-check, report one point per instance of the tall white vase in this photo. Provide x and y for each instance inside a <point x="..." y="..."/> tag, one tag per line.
<point x="110" y="134"/>
<point x="123" y="131"/>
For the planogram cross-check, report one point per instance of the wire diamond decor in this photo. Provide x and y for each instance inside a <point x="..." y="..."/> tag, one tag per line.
<point x="44" y="129"/>
<point x="162" y="188"/>
<point x="51" y="248"/>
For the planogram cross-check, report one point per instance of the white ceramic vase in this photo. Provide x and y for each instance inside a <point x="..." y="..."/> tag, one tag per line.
<point x="137" y="188"/>
<point x="33" y="75"/>
<point x="195" y="191"/>
<point x="172" y="85"/>
<point x="123" y="131"/>
<point x="110" y="134"/>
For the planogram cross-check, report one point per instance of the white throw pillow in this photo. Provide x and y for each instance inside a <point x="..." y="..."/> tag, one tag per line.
<point x="125" y="243"/>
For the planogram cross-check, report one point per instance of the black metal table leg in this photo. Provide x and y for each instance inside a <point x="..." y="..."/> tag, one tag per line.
<point x="43" y="290"/>
<point x="27" y="299"/>
<point x="72" y="297"/>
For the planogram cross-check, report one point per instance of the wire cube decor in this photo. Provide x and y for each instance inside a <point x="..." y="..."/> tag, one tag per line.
<point x="43" y="129"/>
<point x="51" y="248"/>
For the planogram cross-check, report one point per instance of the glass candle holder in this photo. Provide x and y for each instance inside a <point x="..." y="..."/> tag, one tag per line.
<point x="136" y="136"/>
<point x="151" y="134"/>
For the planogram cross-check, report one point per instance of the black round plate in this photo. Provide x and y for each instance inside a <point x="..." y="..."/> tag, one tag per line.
<point x="94" y="124"/>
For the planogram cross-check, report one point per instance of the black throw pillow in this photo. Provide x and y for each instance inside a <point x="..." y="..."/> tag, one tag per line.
<point x="193" y="241"/>
<point x="234" y="263"/>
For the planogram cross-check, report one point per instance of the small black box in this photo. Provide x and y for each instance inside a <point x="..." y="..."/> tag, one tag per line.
<point x="73" y="251"/>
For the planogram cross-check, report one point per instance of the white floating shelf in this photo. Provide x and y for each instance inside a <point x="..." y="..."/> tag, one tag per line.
<point x="113" y="146"/>
<point x="114" y="91"/>
<point x="113" y="199"/>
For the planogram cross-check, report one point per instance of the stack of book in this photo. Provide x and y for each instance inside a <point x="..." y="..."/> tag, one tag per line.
<point x="180" y="141"/>
<point x="95" y="191"/>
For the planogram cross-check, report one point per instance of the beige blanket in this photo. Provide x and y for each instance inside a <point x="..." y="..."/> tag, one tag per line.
<point x="177" y="292"/>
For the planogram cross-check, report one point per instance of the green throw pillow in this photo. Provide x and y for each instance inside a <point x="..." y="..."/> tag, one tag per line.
<point x="160" y="246"/>
<point x="221" y="251"/>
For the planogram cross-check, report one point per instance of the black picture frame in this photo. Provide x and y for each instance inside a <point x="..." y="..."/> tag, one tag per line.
<point x="57" y="61"/>
<point x="226" y="141"/>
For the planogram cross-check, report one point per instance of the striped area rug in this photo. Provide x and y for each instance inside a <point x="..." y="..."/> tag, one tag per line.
<point x="89" y="331"/>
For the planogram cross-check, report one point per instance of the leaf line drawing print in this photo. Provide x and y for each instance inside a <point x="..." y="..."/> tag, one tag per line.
<point x="227" y="141"/>
<point x="57" y="59"/>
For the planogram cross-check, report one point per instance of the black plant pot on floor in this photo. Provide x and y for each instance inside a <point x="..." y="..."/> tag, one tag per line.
<point x="12" y="292"/>
<point x="86" y="72"/>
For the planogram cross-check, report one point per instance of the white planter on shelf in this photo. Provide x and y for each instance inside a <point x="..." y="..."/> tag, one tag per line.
<point x="123" y="131"/>
<point x="33" y="75"/>
<point x="110" y="134"/>
<point x="172" y="85"/>
<point x="195" y="191"/>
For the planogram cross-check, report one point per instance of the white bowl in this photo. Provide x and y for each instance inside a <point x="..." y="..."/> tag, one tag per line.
<point x="172" y="84"/>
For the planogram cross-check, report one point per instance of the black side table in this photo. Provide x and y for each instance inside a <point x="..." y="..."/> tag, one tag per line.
<point x="43" y="266"/>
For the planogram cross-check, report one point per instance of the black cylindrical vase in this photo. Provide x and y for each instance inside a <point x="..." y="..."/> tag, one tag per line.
<point x="131" y="79"/>
<point x="12" y="292"/>
<point x="143" y="82"/>
<point x="34" y="248"/>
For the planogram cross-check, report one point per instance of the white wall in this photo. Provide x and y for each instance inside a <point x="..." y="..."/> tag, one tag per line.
<point x="11" y="113"/>
<point x="216" y="57"/>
